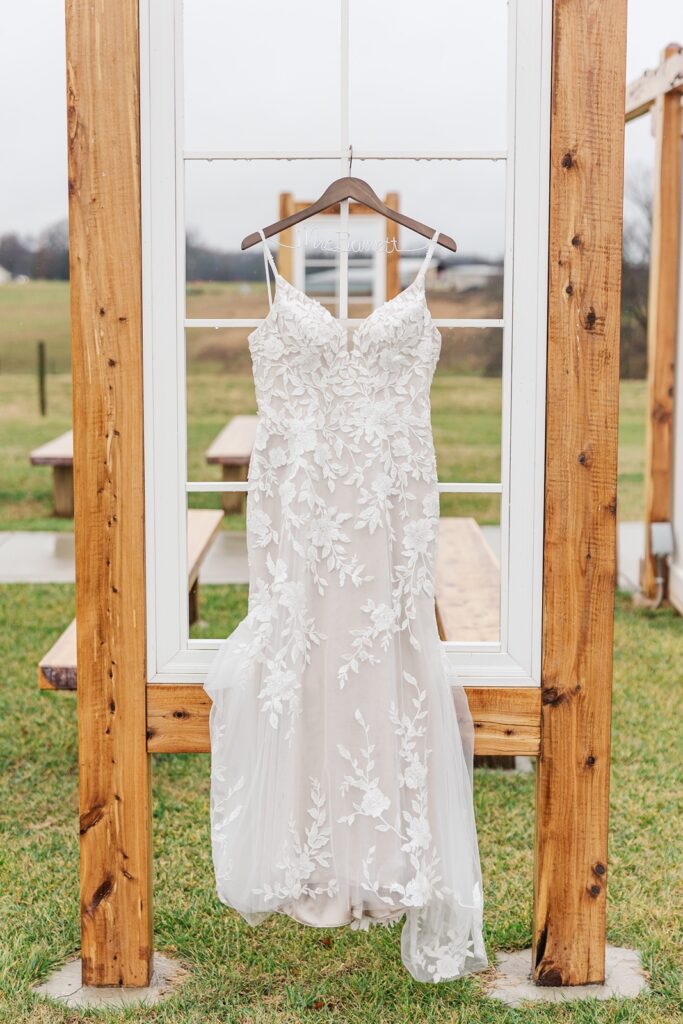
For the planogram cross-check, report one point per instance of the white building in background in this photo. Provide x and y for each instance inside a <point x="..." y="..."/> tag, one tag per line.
<point x="5" y="276"/>
<point x="458" y="277"/>
<point x="461" y="277"/>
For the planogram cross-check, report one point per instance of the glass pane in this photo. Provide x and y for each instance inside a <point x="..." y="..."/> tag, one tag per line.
<point x="261" y="76"/>
<point x="466" y="401"/>
<point x="221" y="606"/>
<point x="216" y="560"/>
<point x="218" y="572"/>
<point x="464" y="199"/>
<point x="468" y="569"/>
<point x="428" y="77"/>
<point x="227" y="200"/>
<point x="221" y="416"/>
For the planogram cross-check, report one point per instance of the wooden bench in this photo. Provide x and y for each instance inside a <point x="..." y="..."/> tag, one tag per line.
<point x="57" y="670"/>
<point x="467" y="582"/>
<point x="231" y="450"/>
<point x="59" y="453"/>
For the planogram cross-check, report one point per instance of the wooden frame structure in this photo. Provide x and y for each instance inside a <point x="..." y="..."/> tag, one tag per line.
<point x="289" y="205"/>
<point x="661" y="93"/>
<point x="122" y="718"/>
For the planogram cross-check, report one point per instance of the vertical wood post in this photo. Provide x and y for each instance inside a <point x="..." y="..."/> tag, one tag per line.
<point x="285" y="252"/>
<point x="105" y="258"/>
<point x="662" y="319"/>
<point x="393" y="277"/>
<point x="586" y="185"/>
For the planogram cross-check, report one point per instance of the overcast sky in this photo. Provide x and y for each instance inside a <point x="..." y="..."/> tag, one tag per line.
<point x="257" y="82"/>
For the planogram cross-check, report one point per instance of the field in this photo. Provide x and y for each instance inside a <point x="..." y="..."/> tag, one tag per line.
<point x="283" y="973"/>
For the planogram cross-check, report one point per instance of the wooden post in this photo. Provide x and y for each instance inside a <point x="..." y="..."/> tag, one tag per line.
<point x="586" y="185"/>
<point x="393" y="279"/>
<point x="63" y="491"/>
<point x="285" y="252"/>
<point x="105" y="258"/>
<point x="662" y="318"/>
<point x="42" y="391"/>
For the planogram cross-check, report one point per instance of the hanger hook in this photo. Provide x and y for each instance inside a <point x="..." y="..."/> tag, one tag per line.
<point x="350" y="159"/>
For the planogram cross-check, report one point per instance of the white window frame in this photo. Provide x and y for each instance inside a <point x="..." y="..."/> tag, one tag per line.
<point x="516" y="659"/>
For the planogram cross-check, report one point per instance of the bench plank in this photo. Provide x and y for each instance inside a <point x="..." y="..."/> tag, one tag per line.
<point x="467" y="582"/>
<point x="203" y="524"/>
<point x="233" y="446"/>
<point x="231" y="450"/>
<point x="57" y="669"/>
<point x="57" y="452"/>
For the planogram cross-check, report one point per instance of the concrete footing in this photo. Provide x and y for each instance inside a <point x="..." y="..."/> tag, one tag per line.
<point x="65" y="987"/>
<point x="512" y="982"/>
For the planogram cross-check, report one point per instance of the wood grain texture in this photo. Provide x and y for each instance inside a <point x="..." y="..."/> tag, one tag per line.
<point x="105" y="257"/>
<point x="662" y="319"/>
<point x="393" y="277"/>
<point x="586" y="185"/>
<point x="506" y="719"/>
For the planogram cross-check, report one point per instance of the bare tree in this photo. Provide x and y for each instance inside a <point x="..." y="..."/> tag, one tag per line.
<point x="635" y="271"/>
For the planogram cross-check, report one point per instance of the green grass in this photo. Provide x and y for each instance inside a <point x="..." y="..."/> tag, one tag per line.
<point x="282" y="972"/>
<point x="465" y="415"/>
<point x="32" y="312"/>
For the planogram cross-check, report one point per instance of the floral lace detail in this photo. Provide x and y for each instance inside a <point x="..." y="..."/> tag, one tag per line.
<point x="299" y="859"/>
<point x="410" y="825"/>
<point x="340" y="642"/>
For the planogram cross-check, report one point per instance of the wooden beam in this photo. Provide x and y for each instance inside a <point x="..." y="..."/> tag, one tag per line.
<point x="285" y="251"/>
<point x="105" y="259"/>
<point x="642" y="94"/>
<point x="506" y="719"/>
<point x="662" y="320"/>
<point x="393" y="277"/>
<point x="586" y="186"/>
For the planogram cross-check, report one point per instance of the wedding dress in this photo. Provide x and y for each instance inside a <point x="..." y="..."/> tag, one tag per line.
<point x="342" y="743"/>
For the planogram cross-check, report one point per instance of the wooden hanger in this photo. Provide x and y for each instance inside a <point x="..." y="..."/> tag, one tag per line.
<point x="349" y="188"/>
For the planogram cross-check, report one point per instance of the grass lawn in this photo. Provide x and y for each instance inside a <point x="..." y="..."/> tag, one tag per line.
<point x="465" y="415"/>
<point x="282" y="972"/>
<point x="32" y="312"/>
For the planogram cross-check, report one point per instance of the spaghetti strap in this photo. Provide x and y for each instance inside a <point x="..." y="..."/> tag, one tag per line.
<point x="430" y="250"/>
<point x="268" y="258"/>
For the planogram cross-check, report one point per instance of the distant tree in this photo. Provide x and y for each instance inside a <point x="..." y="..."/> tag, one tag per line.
<point x="635" y="273"/>
<point x="52" y="253"/>
<point x="47" y="257"/>
<point x="15" y="255"/>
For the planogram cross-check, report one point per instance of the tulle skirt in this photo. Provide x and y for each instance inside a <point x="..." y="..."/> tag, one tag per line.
<point x="346" y="799"/>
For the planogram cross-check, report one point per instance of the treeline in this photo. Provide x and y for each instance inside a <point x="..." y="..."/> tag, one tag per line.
<point x="45" y="258"/>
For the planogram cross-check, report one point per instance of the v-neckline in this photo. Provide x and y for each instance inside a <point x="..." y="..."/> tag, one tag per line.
<point x="335" y="321"/>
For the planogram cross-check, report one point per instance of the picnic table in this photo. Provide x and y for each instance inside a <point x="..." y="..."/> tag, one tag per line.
<point x="57" y="669"/>
<point x="231" y="450"/>
<point x="59" y="453"/>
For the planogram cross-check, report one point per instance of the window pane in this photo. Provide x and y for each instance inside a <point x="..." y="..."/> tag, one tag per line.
<point x="262" y="75"/>
<point x="428" y="77"/>
<point x="226" y="200"/>
<point x="468" y="570"/>
<point x="221" y="416"/>
<point x="218" y="573"/>
<point x="466" y="414"/>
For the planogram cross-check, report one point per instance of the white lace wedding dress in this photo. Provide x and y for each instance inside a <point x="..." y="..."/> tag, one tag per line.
<point x="341" y="766"/>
